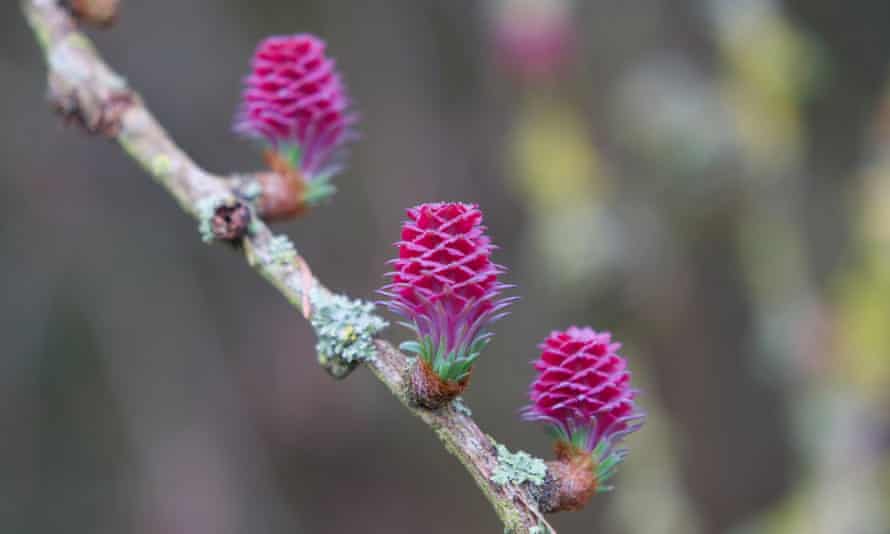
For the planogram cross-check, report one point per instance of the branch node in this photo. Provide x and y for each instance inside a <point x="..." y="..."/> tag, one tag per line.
<point x="230" y="222"/>
<point x="213" y="212"/>
<point x="426" y="389"/>
<point x="571" y="482"/>
<point x="96" y="116"/>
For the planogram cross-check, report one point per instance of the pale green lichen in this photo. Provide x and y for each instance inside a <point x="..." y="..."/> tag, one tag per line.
<point x="161" y="165"/>
<point x="461" y="407"/>
<point x="518" y="467"/>
<point x="79" y="41"/>
<point x="540" y="528"/>
<point x="282" y="250"/>
<point x="252" y="190"/>
<point x="345" y="329"/>
<point x="253" y="228"/>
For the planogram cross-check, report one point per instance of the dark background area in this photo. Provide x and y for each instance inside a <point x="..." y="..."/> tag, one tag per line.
<point x="707" y="179"/>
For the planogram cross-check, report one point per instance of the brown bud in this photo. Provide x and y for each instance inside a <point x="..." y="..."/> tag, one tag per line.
<point x="230" y="223"/>
<point x="283" y="190"/>
<point x="427" y="390"/>
<point x="282" y="196"/>
<point x="571" y="480"/>
<point x="96" y="12"/>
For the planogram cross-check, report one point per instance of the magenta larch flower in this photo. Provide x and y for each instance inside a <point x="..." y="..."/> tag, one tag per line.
<point x="294" y="99"/>
<point x="535" y="39"/>
<point x="583" y="392"/>
<point x="446" y="286"/>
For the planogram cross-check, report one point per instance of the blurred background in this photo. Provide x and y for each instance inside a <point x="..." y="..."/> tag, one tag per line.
<point x="707" y="179"/>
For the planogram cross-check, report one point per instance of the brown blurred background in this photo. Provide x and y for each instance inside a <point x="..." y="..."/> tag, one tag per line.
<point x="708" y="179"/>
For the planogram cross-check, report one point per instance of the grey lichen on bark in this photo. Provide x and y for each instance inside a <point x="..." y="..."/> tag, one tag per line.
<point x="346" y="330"/>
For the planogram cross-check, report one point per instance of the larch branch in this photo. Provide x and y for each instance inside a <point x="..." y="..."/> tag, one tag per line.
<point x="86" y="90"/>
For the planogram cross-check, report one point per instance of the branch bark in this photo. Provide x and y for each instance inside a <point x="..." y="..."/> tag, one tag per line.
<point x="84" y="89"/>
